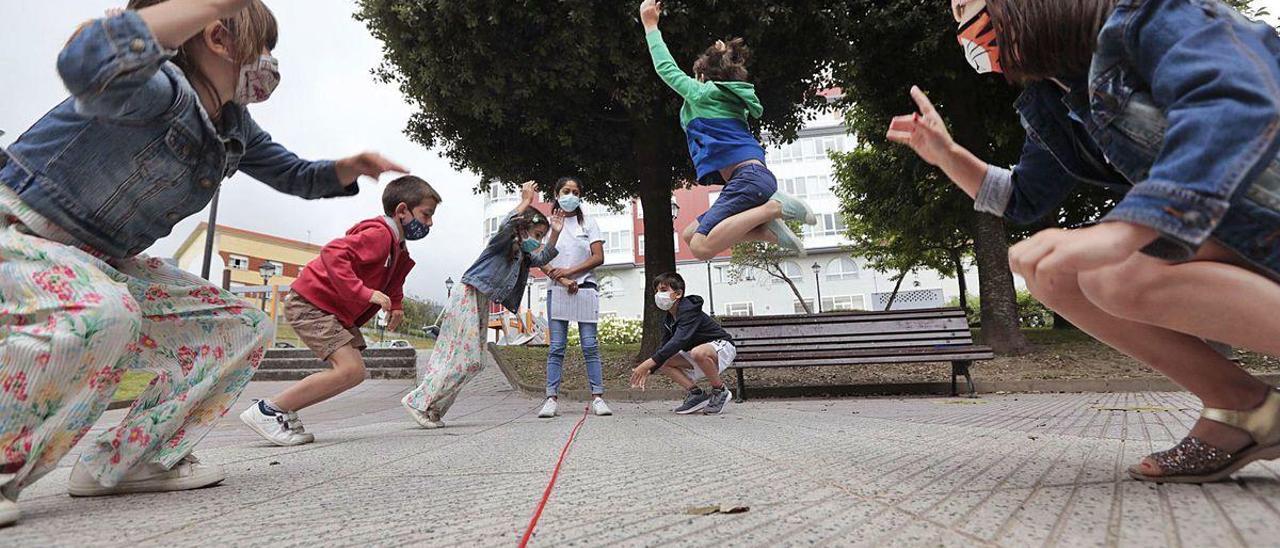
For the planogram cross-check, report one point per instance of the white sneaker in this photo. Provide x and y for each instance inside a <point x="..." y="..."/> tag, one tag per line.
<point x="150" y="477"/>
<point x="295" y="424"/>
<point x="600" y="407"/>
<point x="548" y="409"/>
<point x="430" y="419"/>
<point x="9" y="513"/>
<point x="277" y="429"/>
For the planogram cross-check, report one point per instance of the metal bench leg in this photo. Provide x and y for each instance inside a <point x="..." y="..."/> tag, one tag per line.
<point x="962" y="368"/>
<point x="742" y="388"/>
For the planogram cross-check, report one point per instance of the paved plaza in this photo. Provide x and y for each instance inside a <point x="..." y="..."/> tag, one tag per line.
<point x="1011" y="470"/>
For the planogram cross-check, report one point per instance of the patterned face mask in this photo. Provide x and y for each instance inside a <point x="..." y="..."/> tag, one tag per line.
<point x="258" y="79"/>
<point x="977" y="36"/>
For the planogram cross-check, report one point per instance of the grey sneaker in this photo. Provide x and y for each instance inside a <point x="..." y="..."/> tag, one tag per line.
<point x="693" y="402"/>
<point x="794" y="209"/>
<point x="719" y="399"/>
<point x="786" y="238"/>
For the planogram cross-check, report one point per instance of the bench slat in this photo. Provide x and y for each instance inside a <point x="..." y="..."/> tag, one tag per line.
<point x="808" y="346"/>
<point x="859" y="361"/>
<point x="859" y="328"/>
<point x="804" y="353"/>
<point x="842" y="317"/>
<point x="919" y="338"/>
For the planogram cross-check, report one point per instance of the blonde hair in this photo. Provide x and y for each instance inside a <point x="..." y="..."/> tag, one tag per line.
<point x="252" y="29"/>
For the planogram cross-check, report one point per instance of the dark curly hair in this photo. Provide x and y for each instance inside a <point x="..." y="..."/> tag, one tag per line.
<point x="522" y="224"/>
<point x="724" y="61"/>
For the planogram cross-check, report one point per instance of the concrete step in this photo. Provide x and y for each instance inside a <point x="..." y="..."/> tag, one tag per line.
<point x="312" y="363"/>
<point x="284" y="353"/>
<point x="296" y="374"/>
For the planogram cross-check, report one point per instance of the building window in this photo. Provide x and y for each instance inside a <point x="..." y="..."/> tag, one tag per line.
<point x="279" y="266"/>
<point x="640" y="242"/>
<point x="501" y="192"/>
<point x="711" y="198"/>
<point x="829" y="224"/>
<point x="843" y="302"/>
<point x="794" y="186"/>
<point x="639" y="209"/>
<point x="842" y="269"/>
<point x="491" y="227"/>
<point x="792" y="270"/>
<point x="799" y="307"/>
<point x="737" y="309"/>
<point x="617" y="242"/>
<point x="238" y="262"/>
<point x="819" y="185"/>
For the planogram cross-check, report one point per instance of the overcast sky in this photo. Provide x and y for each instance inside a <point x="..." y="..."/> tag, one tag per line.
<point x="327" y="106"/>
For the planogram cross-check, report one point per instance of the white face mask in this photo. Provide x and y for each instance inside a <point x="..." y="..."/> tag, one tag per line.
<point x="258" y="79"/>
<point x="664" y="300"/>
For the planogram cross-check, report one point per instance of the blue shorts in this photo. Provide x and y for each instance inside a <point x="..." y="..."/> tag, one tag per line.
<point x="750" y="186"/>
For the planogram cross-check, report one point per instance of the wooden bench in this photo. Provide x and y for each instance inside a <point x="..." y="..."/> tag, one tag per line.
<point x="856" y="338"/>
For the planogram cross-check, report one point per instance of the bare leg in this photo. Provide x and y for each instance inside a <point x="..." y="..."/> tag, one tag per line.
<point x="347" y="373"/>
<point x="675" y="370"/>
<point x="708" y="361"/>
<point x="1186" y="359"/>
<point x="734" y="230"/>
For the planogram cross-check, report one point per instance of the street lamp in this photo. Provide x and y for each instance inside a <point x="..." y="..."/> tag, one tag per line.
<point x="448" y="286"/>
<point x="267" y="270"/>
<point x="817" y="282"/>
<point x="711" y="294"/>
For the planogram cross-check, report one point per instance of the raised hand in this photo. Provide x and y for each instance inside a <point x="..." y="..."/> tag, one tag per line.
<point x="923" y="131"/>
<point x="528" y="192"/>
<point x="381" y="299"/>
<point x="650" y="13"/>
<point x="370" y="164"/>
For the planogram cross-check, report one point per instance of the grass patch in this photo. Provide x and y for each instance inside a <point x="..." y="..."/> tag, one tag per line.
<point x="1057" y="354"/>
<point x="132" y="384"/>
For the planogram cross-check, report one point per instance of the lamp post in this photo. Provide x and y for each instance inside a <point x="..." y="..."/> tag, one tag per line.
<point x="711" y="294"/>
<point x="817" y="282"/>
<point x="267" y="270"/>
<point x="448" y="287"/>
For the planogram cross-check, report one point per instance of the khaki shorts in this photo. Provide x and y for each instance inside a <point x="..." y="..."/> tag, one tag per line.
<point x="319" y="330"/>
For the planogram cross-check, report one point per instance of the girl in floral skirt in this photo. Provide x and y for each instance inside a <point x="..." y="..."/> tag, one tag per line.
<point x="156" y="120"/>
<point x="499" y="276"/>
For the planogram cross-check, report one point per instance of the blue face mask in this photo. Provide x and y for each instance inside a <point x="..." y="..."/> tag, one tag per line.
<point x="569" y="203"/>
<point x="529" y="245"/>
<point x="416" y="230"/>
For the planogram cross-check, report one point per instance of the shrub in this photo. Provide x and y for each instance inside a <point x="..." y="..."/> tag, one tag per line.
<point x="1031" y="313"/>
<point x="612" y="331"/>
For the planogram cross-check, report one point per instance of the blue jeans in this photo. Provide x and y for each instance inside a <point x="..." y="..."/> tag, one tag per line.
<point x="590" y="353"/>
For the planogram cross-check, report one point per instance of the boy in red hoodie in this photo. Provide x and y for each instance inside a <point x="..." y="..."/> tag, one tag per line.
<point x="339" y="291"/>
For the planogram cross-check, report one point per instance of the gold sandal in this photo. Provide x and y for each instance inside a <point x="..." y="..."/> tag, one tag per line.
<point x="1194" y="461"/>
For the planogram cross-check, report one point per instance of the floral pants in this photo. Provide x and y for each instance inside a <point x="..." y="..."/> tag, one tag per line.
<point x="459" y="352"/>
<point x="71" y="325"/>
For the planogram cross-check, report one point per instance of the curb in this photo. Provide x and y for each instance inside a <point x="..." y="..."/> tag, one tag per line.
<point x="1143" y="384"/>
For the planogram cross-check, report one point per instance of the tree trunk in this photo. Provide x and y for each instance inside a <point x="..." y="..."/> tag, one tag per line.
<point x="1000" y="329"/>
<point x="795" y="290"/>
<point x="659" y="252"/>
<point x="896" y="286"/>
<point x="957" y="262"/>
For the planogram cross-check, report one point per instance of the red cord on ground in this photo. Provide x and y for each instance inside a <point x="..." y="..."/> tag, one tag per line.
<point x="546" y="494"/>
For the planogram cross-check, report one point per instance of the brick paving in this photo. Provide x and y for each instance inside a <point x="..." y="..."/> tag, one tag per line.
<point x="1009" y="470"/>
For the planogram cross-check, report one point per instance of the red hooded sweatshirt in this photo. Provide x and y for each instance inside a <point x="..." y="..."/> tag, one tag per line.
<point x="371" y="257"/>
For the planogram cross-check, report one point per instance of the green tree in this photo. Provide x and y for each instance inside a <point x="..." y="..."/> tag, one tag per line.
<point x="536" y="90"/>
<point x="896" y="44"/>
<point x="420" y="313"/>
<point x="751" y="257"/>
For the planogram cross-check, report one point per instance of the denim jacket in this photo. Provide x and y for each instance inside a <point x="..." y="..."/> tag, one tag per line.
<point x="495" y="274"/>
<point x="132" y="152"/>
<point x="1180" y="113"/>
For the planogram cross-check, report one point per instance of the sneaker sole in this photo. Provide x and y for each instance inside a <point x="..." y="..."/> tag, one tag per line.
<point x="257" y="429"/>
<point x="728" y="397"/>
<point x="694" y="409"/>
<point x="10" y="516"/>
<point x="147" y="486"/>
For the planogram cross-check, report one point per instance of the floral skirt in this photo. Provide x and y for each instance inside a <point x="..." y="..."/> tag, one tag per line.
<point x="72" y="323"/>
<point x="459" y="352"/>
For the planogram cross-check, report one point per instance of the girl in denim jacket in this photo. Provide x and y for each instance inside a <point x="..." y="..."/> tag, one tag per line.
<point x="156" y="120"/>
<point x="1175" y="104"/>
<point x="498" y="275"/>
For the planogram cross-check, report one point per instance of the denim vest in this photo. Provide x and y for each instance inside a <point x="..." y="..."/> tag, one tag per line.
<point x="500" y="277"/>
<point x="1181" y="114"/>
<point x="133" y="152"/>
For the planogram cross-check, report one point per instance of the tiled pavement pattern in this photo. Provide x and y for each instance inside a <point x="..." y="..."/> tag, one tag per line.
<point x="1013" y="470"/>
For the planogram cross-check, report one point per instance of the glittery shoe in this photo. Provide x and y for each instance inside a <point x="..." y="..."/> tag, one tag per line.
<point x="1194" y="461"/>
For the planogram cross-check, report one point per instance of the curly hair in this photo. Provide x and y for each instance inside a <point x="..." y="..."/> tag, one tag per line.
<point x="724" y="61"/>
<point x="522" y="224"/>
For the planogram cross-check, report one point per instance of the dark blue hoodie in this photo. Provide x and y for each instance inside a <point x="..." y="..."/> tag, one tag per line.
<point x="689" y="328"/>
